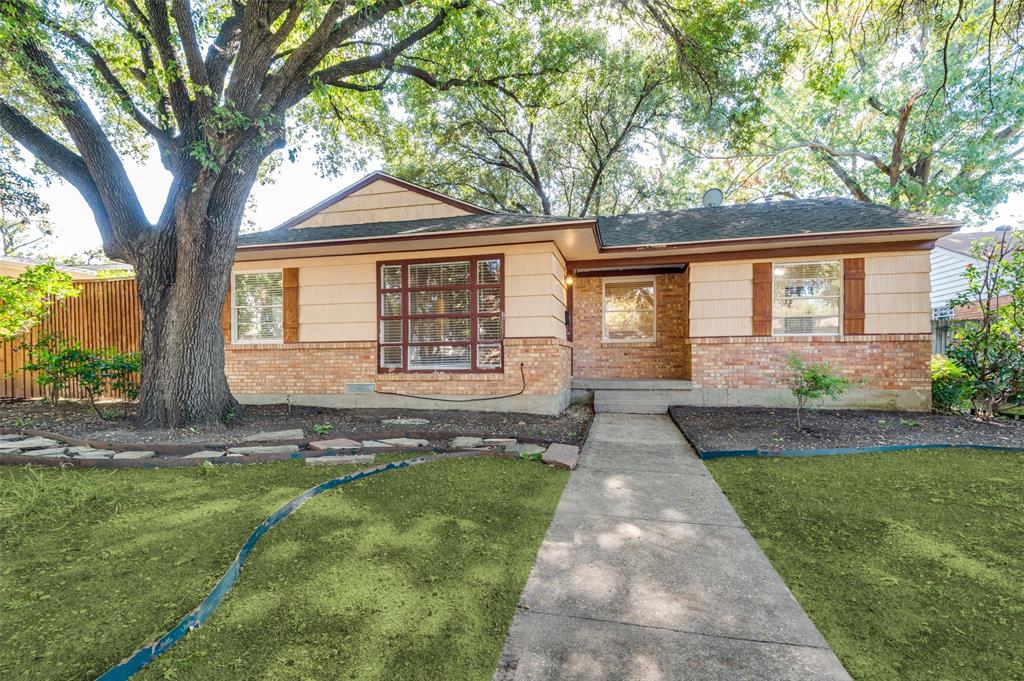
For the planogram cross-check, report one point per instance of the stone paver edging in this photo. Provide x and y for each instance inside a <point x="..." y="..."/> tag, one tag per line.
<point x="647" y="572"/>
<point x="51" y="449"/>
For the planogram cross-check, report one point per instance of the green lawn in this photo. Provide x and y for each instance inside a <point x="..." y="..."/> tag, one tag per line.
<point x="911" y="564"/>
<point x="412" y="574"/>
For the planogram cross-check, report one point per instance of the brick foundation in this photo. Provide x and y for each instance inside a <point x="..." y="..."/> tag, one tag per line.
<point x="666" y="357"/>
<point x="892" y="369"/>
<point x="322" y="369"/>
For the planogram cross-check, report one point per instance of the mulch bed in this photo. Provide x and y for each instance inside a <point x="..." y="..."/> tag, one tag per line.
<point x="717" y="429"/>
<point x="77" y="419"/>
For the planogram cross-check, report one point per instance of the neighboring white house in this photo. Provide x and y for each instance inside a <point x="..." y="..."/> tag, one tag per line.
<point x="950" y="257"/>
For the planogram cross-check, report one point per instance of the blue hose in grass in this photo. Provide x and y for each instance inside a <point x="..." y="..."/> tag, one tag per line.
<point x="146" y="654"/>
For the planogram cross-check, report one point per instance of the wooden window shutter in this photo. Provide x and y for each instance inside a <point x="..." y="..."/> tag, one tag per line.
<point x="290" y="283"/>
<point x="853" y="296"/>
<point x="225" y="318"/>
<point x="762" y="299"/>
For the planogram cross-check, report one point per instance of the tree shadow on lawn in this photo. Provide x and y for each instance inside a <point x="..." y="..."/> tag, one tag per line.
<point x="410" y="575"/>
<point x="84" y="583"/>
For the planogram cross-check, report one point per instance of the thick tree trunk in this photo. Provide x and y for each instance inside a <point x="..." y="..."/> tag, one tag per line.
<point x="183" y="271"/>
<point x="183" y="379"/>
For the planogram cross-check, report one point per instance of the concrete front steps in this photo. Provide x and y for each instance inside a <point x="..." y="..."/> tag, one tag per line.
<point x="629" y="396"/>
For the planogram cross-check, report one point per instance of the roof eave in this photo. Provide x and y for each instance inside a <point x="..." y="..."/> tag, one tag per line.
<point x="817" y="236"/>
<point x="573" y="224"/>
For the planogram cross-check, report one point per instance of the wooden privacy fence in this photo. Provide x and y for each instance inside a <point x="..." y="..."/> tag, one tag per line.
<point x="104" y="315"/>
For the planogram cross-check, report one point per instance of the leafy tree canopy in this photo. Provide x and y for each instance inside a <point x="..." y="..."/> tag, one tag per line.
<point x="916" y="105"/>
<point x="25" y="299"/>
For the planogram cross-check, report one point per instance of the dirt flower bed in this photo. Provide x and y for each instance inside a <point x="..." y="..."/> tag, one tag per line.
<point x="712" y="429"/>
<point x="77" y="419"/>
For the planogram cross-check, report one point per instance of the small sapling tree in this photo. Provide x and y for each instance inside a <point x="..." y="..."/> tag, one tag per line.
<point x="991" y="349"/>
<point x="810" y="382"/>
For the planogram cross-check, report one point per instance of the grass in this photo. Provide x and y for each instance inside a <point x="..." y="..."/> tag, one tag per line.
<point x="911" y="564"/>
<point x="411" y="574"/>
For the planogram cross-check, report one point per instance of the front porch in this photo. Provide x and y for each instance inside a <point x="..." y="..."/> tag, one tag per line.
<point x="633" y="396"/>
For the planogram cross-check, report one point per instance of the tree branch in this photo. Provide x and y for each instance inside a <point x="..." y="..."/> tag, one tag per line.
<point x="62" y="160"/>
<point x="162" y="137"/>
<point x="851" y="184"/>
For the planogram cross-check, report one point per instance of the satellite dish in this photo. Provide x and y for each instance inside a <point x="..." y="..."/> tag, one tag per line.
<point x="712" y="198"/>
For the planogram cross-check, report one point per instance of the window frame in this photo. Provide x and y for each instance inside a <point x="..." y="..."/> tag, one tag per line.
<point x="653" y="281"/>
<point x="839" y="298"/>
<point x="234" y="309"/>
<point x="473" y="315"/>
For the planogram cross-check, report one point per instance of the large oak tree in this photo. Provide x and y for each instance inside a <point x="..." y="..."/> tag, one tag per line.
<point x="215" y="86"/>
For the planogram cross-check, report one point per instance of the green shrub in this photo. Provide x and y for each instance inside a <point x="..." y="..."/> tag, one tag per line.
<point x="810" y="382"/>
<point x="59" y="364"/>
<point x="55" y="363"/>
<point x="951" y="386"/>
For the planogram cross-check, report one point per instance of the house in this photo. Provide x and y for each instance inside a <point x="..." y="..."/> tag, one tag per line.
<point x="388" y="294"/>
<point x="12" y="266"/>
<point x="950" y="258"/>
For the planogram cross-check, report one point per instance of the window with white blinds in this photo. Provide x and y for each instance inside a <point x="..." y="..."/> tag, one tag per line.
<point x="806" y="298"/>
<point x="628" y="310"/>
<point x="257" y="310"/>
<point x="441" y="315"/>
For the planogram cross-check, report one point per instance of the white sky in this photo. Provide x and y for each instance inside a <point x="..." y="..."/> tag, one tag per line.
<point x="297" y="186"/>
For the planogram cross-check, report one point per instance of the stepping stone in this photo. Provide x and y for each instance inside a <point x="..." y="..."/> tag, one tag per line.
<point x="11" y="451"/>
<point x="405" y="422"/>
<point x="204" y="454"/>
<point x="562" y="456"/>
<point x="339" y="459"/>
<point x="524" y="448"/>
<point x="264" y="449"/>
<point x="499" y="441"/>
<point x="405" y="442"/>
<point x="467" y="442"/>
<point x="336" y="443"/>
<point x="234" y="455"/>
<point x="49" y="451"/>
<point x="54" y="456"/>
<point x="374" y="444"/>
<point x="81" y="450"/>
<point x="134" y="454"/>
<point x="11" y="438"/>
<point x="94" y="454"/>
<point x="35" y="443"/>
<point x="270" y="435"/>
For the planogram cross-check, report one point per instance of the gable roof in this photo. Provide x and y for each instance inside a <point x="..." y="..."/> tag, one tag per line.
<point x="961" y="242"/>
<point x="406" y="228"/>
<point x="379" y="176"/>
<point x="793" y="217"/>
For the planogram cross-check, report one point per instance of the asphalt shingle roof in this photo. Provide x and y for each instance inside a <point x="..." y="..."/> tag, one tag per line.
<point x="962" y="242"/>
<point x="750" y="220"/>
<point x="405" y="228"/>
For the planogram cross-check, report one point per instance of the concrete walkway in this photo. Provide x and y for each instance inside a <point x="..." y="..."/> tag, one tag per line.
<point x="647" y="573"/>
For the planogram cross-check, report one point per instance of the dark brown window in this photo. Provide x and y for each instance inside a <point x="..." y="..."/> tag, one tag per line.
<point x="441" y="315"/>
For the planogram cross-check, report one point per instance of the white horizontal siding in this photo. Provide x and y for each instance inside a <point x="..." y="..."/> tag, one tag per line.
<point x="947" y="275"/>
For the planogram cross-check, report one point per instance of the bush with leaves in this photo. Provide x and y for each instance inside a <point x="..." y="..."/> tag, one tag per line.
<point x="54" y="362"/>
<point x="59" y="364"/>
<point x="121" y="370"/>
<point x="24" y="299"/>
<point x="810" y="382"/>
<point x="991" y="349"/>
<point x="951" y="386"/>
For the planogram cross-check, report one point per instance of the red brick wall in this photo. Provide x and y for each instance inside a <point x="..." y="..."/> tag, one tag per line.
<point x="325" y="368"/>
<point x="882" y="362"/>
<point x="666" y="357"/>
